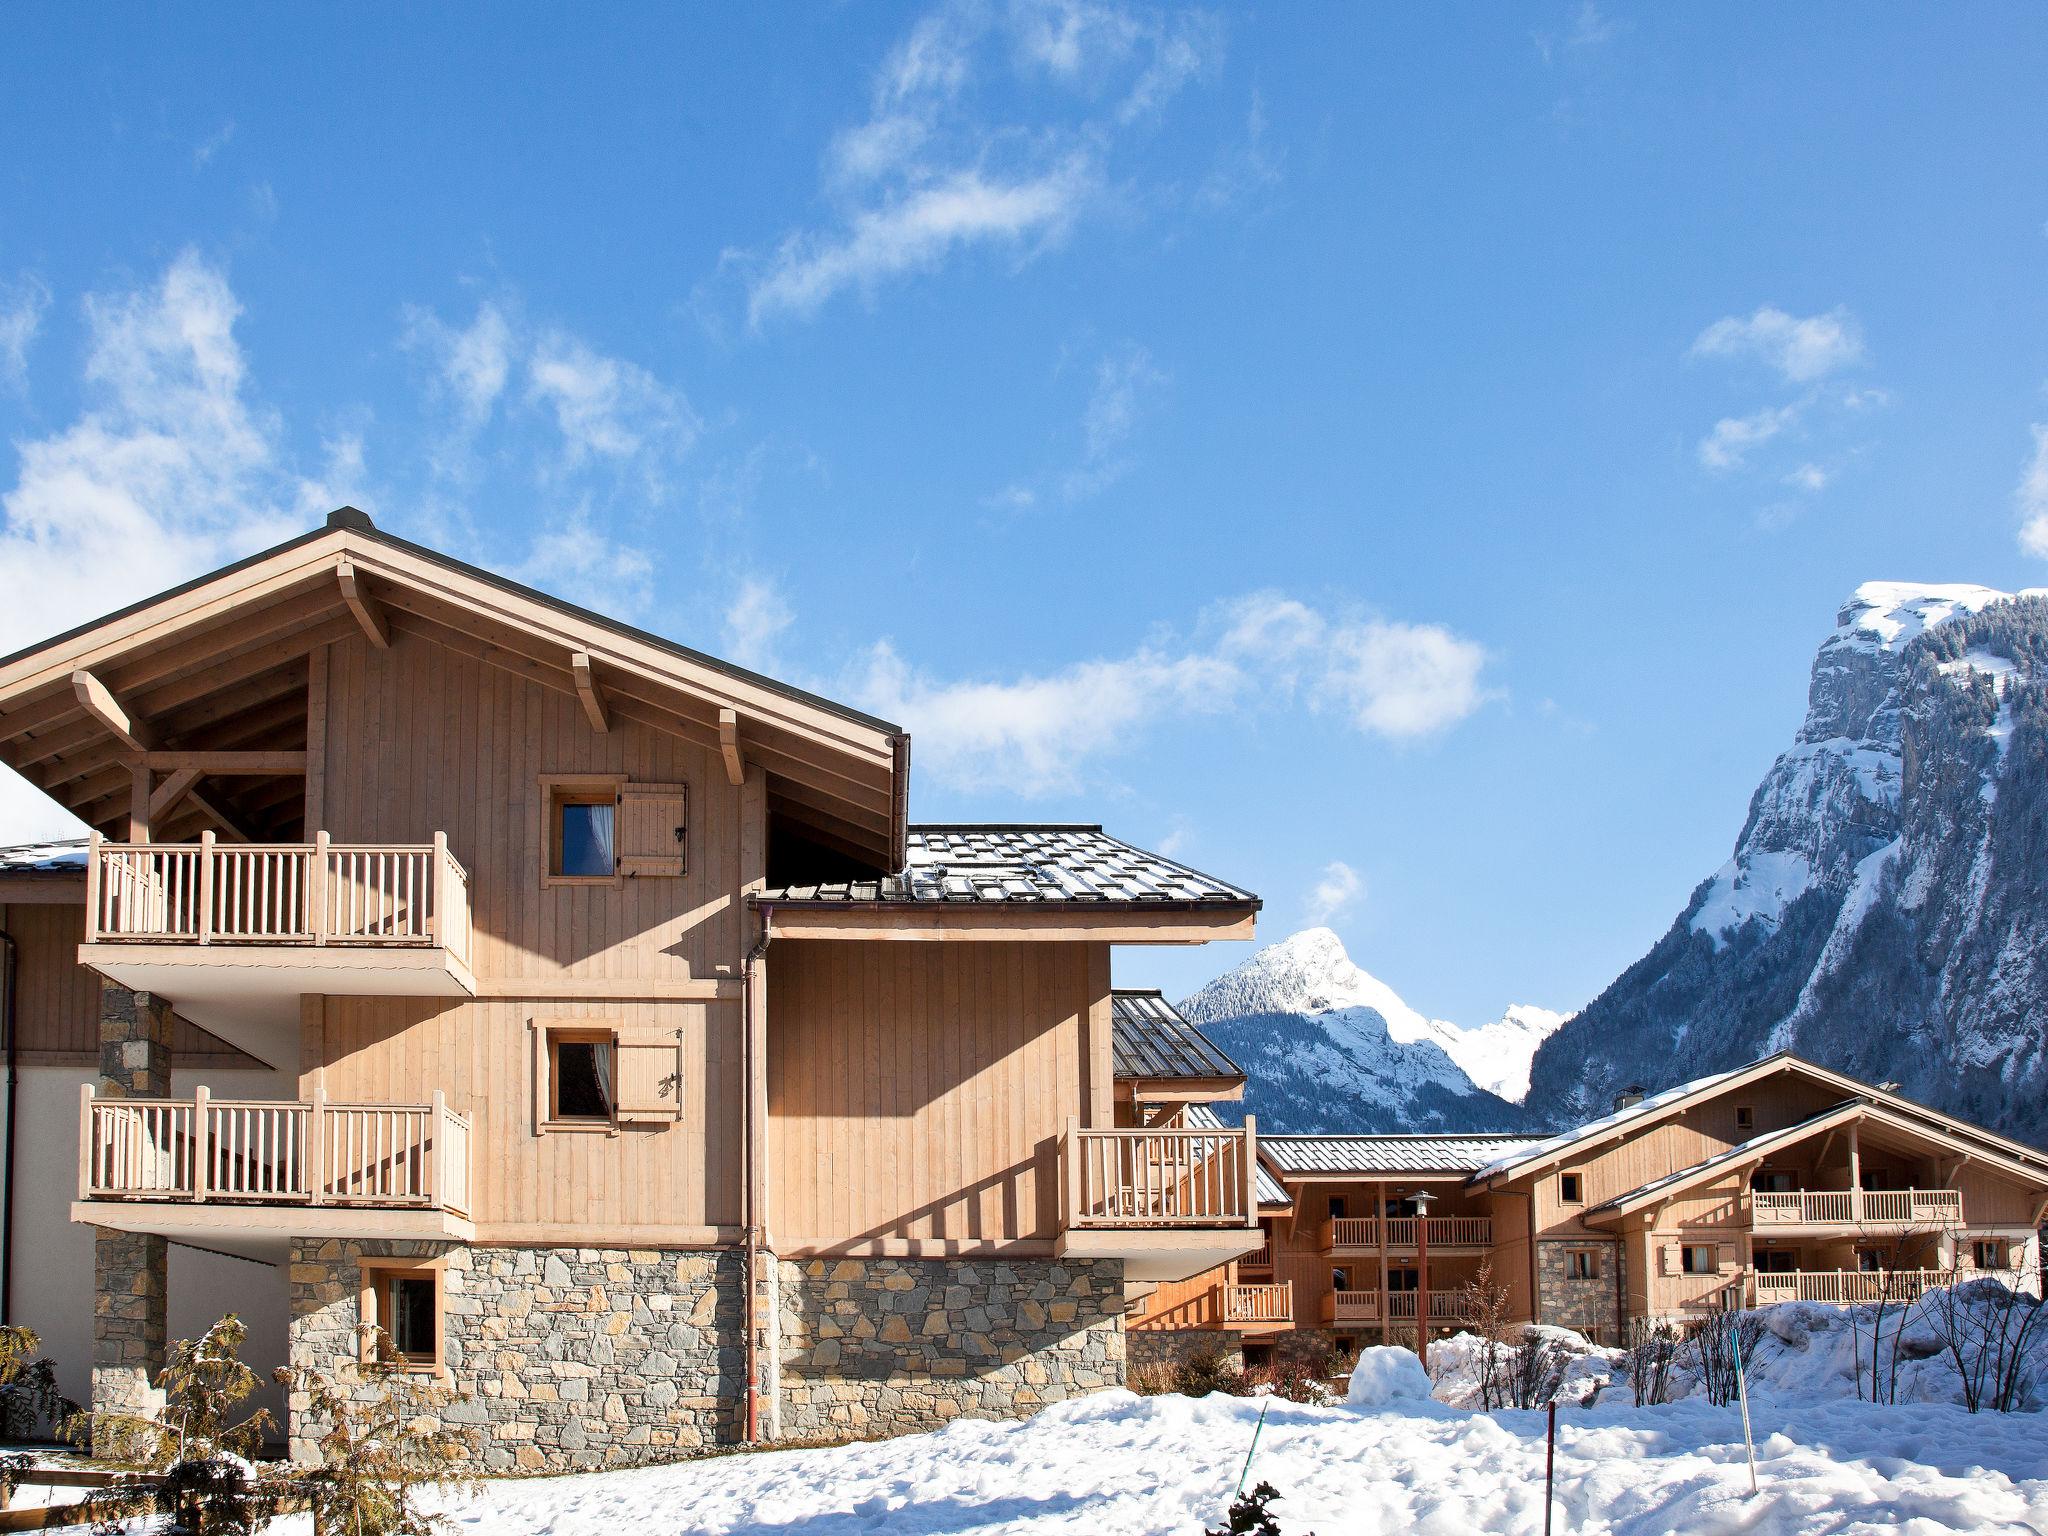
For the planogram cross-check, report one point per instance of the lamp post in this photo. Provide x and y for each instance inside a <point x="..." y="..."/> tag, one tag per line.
<point x="1421" y="1201"/>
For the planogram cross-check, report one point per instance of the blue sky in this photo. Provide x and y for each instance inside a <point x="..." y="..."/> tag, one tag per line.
<point x="1401" y="459"/>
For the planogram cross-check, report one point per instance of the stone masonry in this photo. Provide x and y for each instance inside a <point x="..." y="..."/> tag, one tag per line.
<point x="131" y="1270"/>
<point x="566" y="1358"/>
<point x="1588" y="1306"/>
<point x="886" y="1346"/>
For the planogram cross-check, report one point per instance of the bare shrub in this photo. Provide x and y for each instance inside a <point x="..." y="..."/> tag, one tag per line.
<point x="1652" y="1350"/>
<point x="1990" y="1330"/>
<point x="1483" y="1308"/>
<point x="1715" y="1345"/>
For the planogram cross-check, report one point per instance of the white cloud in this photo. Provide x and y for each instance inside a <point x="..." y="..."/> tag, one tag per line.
<point x="22" y="304"/>
<point x="577" y="561"/>
<point x="2033" y="497"/>
<point x="471" y="364"/>
<point x="1802" y="349"/>
<point x="1336" y="892"/>
<point x="1733" y="437"/>
<point x="1809" y="477"/>
<point x="925" y="178"/>
<point x="213" y="144"/>
<point x="754" y="622"/>
<point x="917" y="231"/>
<point x="605" y="405"/>
<point x="1125" y="380"/>
<point x="1036" y="735"/>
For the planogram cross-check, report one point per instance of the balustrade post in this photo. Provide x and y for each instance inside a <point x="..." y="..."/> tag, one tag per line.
<point x="1070" y="1164"/>
<point x="205" y="916"/>
<point x="438" y="1129"/>
<point x="316" y="1144"/>
<point x="1251" y="1170"/>
<point x="85" y="1141"/>
<point x="319" y="888"/>
<point x="437" y="929"/>
<point x="92" y="887"/>
<point x="202" y="1142"/>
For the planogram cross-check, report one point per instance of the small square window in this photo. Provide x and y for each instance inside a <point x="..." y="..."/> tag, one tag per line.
<point x="1582" y="1264"/>
<point x="580" y="828"/>
<point x="1570" y="1189"/>
<point x="1988" y="1253"/>
<point x="581" y="1075"/>
<point x="1700" y="1259"/>
<point x="1745" y="1117"/>
<point x="401" y="1308"/>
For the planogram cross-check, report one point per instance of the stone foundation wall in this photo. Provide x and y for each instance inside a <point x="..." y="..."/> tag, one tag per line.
<point x="568" y="1357"/>
<point x="1165" y="1348"/>
<point x="888" y="1346"/>
<point x="1582" y="1305"/>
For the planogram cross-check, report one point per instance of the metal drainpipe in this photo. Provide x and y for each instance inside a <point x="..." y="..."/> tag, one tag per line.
<point x="752" y="1244"/>
<point x="11" y="972"/>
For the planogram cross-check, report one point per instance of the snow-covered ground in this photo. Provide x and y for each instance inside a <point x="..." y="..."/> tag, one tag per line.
<point x="1114" y="1464"/>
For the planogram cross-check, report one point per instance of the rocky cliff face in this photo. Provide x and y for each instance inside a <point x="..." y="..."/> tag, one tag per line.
<point x="1331" y="1048"/>
<point x="1886" y="906"/>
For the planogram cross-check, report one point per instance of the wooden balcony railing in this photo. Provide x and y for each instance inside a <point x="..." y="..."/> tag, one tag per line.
<point x="268" y="1152"/>
<point x="1443" y="1305"/>
<point x="1845" y="1286"/>
<point x="1258" y="1262"/>
<point x="1160" y="1178"/>
<point x="1352" y="1307"/>
<point x="1858" y="1207"/>
<point x="314" y="893"/>
<point x="1259" y="1303"/>
<point x="1443" y="1231"/>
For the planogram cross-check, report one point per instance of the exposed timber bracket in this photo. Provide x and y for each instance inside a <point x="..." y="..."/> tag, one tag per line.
<point x="169" y="793"/>
<point x="729" y="747"/>
<point x="588" y="691"/>
<point x="368" y="614"/>
<point x="97" y="701"/>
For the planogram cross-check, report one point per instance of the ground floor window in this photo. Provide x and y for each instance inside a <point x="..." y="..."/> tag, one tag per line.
<point x="1699" y="1259"/>
<point x="1582" y="1264"/>
<point x="401" y="1309"/>
<point x="1777" y="1261"/>
<point x="1988" y="1253"/>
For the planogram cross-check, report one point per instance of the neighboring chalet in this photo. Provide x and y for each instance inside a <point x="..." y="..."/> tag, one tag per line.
<point x="1778" y="1181"/>
<point x="581" y="1013"/>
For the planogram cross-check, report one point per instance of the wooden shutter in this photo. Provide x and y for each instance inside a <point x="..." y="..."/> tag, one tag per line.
<point x="1724" y="1258"/>
<point x="650" y="1066"/>
<point x="1674" y="1262"/>
<point x="652" y="819"/>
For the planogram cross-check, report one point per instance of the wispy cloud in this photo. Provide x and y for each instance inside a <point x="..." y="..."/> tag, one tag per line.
<point x="470" y="364"/>
<point x="925" y="177"/>
<point x="1125" y="381"/>
<point x="213" y="144"/>
<point x="755" y="621"/>
<point x="2032" y="497"/>
<point x="22" y="304"/>
<point x="1037" y="734"/>
<point x="580" y="561"/>
<point x="606" y="406"/>
<point x="1802" y="349"/>
<point x="1337" y="890"/>
<point x="1734" y="437"/>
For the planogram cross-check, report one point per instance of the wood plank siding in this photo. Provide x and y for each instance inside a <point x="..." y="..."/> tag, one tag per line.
<point x="916" y="1091"/>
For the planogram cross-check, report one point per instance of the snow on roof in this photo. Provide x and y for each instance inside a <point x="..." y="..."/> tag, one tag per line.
<point x="59" y="857"/>
<point x="1387" y="1154"/>
<point x="1150" y="1039"/>
<point x="1081" y="864"/>
<point x="1654" y="1104"/>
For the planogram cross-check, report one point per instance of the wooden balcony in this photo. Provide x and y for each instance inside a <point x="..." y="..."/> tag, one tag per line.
<point x="1443" y="1305"/>
<point x="1845" y="1287"/>
<point x="1258" y="1262"/>
<point x="1860" y="1209"/>
<point x="1351" y="1307"/>
<point x="235" y="933"/>
<point x="1160" y="1199"/>
<point x="266" y="1169"/>
<point x="1256" y="1306"/>
<point x="1356" y="1235"/>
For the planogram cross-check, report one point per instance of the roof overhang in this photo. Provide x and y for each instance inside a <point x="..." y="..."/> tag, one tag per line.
<point x="990" y="922"/>
<point x="233" y="646"/>
<point x="43" y="888"/>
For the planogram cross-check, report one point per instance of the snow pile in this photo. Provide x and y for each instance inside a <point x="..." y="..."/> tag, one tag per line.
<point x="1587" y="1374"/>
<point x="1384" y="1374"/>
<point x="1118" y="1465"/>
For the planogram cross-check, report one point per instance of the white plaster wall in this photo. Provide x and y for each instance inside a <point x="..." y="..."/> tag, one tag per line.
<point x="53" y="1281"/>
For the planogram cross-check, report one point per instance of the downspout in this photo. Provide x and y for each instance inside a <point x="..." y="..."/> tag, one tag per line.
<point x="752" y="1243"/>
<point x="8" y="973"/>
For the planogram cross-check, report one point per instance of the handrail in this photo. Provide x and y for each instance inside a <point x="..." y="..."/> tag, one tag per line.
<point x="1443" y="1231"/>
<point x="1845" y="1287"/>
<point x="318" y="893"/>
<point x="1934" y="1207"/>
<point x="1259" y="1303"/>
<point x="1351" y="1307"/>
<point x="270" y="1151"/>
<point x="1121" y="1177"/>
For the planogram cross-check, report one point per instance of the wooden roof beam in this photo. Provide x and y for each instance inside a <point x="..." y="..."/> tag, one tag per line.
<point x="376" y="628"/>
<point x="96" y="701"/>
<point x="588" y="691"/>
<point x="173" y="789"/>
<point x="262" y="765"/>
<point x="729" y="747"/>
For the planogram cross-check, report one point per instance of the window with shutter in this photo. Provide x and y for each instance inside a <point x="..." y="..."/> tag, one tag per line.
<point x="650" y="1076"/>
<point x="1671" y="1258"/>
<point x="653" y="819"/>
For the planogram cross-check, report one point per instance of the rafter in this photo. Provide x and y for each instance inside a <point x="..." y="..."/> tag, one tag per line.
<point x="366" y="609"/>
<point x="97" y="702"/>
<point x="729" y="747"/>
<point x="588" y="691"/>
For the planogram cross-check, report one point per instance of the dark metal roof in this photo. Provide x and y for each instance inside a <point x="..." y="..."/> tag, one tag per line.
<point x="1151" y="1040"/>
<point x="63" y="856"/>
<point x="952" y="864"/>
<point x="1367" y="1155"/>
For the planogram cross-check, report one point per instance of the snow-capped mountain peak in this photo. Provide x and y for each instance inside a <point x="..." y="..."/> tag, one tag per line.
<point x="1354" y="1041"/>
